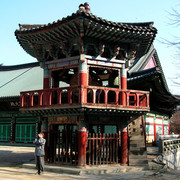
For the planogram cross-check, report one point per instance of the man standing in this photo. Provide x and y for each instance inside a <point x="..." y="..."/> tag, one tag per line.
<point x="39" y="152"/>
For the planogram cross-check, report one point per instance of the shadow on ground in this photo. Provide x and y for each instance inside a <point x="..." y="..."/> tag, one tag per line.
<point x="14" y="157"/>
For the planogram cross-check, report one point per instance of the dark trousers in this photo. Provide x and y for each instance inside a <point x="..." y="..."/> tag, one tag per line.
<point x="40" y="163"/>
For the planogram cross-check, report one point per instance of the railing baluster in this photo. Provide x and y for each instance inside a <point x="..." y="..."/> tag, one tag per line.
<point x="94" y="96"/>
<point x="49" y="97"/>
<point x="22" y="100"/>
<point x="107" y="148"/>
<point x="103" y="148"/>
<point x="147" y="100"/>
<point x="93" y="149"/>
<point x="89" y="141"/>
<point x="59" y="97"/>
<point x="97" y="148"/>
<point x="110" y="148"/>
<point x="31" y="99"/>
<point x="105" y="96"/>
<point x="137" y="101"/>
<point x="117" y="147"/>
<point x="117" y="96"/>
<point x="114" y="154"/>
<point x="58" y="146"/>
<point x="100" y="148"/>
<point x="127" y="98"/>
<point x="40" y="99"/>
<point x="69" y="96"/>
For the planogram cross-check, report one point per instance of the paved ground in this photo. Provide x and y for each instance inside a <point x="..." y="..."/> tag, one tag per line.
<point x="14" y="155"/>
<point x="11" y="157"/>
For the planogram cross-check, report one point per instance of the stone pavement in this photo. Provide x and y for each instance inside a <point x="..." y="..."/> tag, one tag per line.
<point x="14" y="155"/>
<point x="12" y="158"/>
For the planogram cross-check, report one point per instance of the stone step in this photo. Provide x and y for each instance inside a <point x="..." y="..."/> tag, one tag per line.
<point x="138" y="162"/>
<point x="137" y="138"/>
<point x="139" y="156"/>
<point x="137" y="148"/>
<point x="87" y="170"/>
<point x="137" y="152"/>
<point x="136" y="141"/>
<point x="136" y="145"/>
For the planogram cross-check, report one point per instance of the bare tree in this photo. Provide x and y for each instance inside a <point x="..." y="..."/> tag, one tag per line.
<point x="175" y="123"/>
<point x="174" y="17"/>
<point x="174" y="20"/>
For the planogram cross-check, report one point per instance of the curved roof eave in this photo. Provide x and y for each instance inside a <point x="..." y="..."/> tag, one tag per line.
<point x="32" y="38"/>
<point x="138" y="66"/>
<point x="141" y="26"/>
<point x="159" y="95"/>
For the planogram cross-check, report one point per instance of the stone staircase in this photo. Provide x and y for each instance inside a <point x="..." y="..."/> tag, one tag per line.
<point x="137" y="145"/>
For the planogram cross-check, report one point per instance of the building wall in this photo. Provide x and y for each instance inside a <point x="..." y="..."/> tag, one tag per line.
<point x="156" y="125"/>
<point x="18" y="127"/>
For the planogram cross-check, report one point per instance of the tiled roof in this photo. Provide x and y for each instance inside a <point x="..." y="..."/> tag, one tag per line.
<point x="143" y="74"/>
<point x="33" y="37"/>
<point x="153" y="79"/>
<point x="137" y="70"/>
<point x="14" y="79"/>
<point x="138" y="27"/>
<point x="18" y="67"/>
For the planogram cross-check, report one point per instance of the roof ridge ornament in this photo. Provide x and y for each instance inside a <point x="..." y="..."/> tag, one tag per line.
<point x="84" y="7"/>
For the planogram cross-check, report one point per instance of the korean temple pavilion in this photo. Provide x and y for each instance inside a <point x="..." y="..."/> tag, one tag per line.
<point x="98" y="91"/>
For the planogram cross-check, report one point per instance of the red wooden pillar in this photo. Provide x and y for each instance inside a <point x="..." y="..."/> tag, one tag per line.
<point x="82" y="141"/>
<point x="155" y="129"/>
<point x="123" y="85"/>
<point x="163" y="126"/>
<point x="83" y="81"/>
<point x="124" y="146"/>
<point x="46" y="83"/>
<point x="46" y="78"/>
<point x="44" y="129"/>
<point x="45" y="101"/>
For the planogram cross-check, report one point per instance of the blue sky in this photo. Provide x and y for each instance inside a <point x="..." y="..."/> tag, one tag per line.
<point x="14" y="12"/>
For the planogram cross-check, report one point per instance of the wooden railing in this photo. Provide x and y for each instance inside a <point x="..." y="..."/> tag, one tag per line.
<point x="103" y="149"/>
<point x="63" y="147"/>
<point x="87" y="96"/>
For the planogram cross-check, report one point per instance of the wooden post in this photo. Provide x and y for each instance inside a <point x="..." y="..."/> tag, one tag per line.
<point x="82" y="139"/>
<point x="46" y="84"/>
<point x="46" y="77"/>
<point x="123" y="85"/>
<point x="13" y="126"/>
<point x="155" y="129"/>
<point x="44" y="129"/>
<point x="83" y="81"/>
<point x="124" y="146"/>
<point x="124" y="79"/>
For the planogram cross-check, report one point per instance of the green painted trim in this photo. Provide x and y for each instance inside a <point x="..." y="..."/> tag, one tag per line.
<point x="23" y="135"/>
<point x="5" y="120"/>
<point x="5" y="132"/>
<point x="27" y="119"/>
<point x="150" y="114"/>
